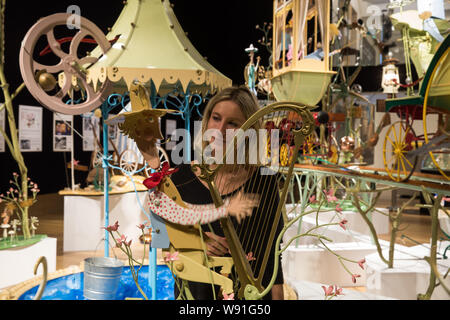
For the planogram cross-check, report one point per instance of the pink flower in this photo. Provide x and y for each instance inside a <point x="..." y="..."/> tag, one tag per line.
<point x="141" y="226"/>
<point x="337" y="291"/>
<point x="113" y="227"/>
<point x="361" y="263"/>
<point x="354" y="276"/>
<point x="312" y="199"/>
<point x="338" y="208"/>
<point x="250" y="256"/>
<point x="228" y="297"/>
<point x="342" y="223"/>
<point x="171" y="256"/>
<point x="15" y="174"/>
<point x="330" y="196"/>
<point x="121" y="240"/>
<point x="328" y="291"/>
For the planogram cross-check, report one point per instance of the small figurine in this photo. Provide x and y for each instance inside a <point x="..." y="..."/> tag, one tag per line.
<point x="251" y="68"/>
<point x="15" y="224"/>
<point x="347" y="147"/>
<point x="34" y="221"/>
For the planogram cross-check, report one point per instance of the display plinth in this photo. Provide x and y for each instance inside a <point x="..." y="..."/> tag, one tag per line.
<point x="17" y="264"/>
<point x="301" y="259"/>
<point x="355" y="221"/>
<point x="410" y="275"/>
<point x="307" y="290"/>
<point x="84" y="218"/>
<point x="316" y="264"/>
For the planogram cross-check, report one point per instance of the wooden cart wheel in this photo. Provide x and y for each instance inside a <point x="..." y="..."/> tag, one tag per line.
<point x="70" y="65"/>
<point x="163" y="157"/>
<point x="438" y="81"/>
<point x="285" y="155"/>
<point x="400" y="139"/>
<point x="128" y="161"/>
<point x="310" y="149"/>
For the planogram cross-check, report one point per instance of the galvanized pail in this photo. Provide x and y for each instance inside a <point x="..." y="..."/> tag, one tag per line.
<point x="101" y="278"/>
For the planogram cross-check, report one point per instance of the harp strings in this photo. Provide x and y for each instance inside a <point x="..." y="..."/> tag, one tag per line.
<point x="255" y="230"/>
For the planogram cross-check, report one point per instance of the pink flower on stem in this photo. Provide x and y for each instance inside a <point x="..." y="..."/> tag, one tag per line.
<point x="361" y="263"/>
<point x="328" y="291"/>
<point x="337" y="291"/>
<point x="338" y="208"/>
<point x="228" y="296"/>
<point x="312" y="199"/>
<point x="342" y="223"/>
<point x="121" y="240"/>
<point x="141" y="226"/>
<point x="113" y="227"/>
<point x="171" y="256"/>
<point x="354" y="276"/>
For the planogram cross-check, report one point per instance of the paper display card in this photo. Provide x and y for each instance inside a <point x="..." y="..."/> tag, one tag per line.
<point x="30" y="128"/>
<point x="62" y="132"/>
<point x="2" y="125"/>
<point x="90" y="123"/>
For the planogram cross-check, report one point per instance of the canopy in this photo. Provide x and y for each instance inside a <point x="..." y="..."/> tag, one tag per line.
<point x="152" y="46"/>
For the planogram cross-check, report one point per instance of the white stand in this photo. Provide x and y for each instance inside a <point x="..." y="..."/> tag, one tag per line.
<point x="307" y="290"/>
<point x="17" y="264"/>
<point x="84" y="219"/>
<point x="410" y="275"/>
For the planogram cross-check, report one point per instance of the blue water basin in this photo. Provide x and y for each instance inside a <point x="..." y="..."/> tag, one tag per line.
<point x="70" y="287"/>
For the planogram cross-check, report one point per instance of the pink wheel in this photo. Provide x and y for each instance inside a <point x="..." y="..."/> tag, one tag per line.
<point x="70" y="66"/>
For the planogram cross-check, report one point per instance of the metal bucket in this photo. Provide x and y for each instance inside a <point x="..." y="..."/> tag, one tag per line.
<point x="101" y="278"/>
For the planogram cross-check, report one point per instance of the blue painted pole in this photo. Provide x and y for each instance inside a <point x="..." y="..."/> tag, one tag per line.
<point x="105" y="176"/>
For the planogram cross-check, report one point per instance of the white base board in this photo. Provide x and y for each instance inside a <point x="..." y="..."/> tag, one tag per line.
<point x="17" y="264"/>
<point x="84" y="218"/>
<point x="410" y="275"/>
<point x="307" y="290"/>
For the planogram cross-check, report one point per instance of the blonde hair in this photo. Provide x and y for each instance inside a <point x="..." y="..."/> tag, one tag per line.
<point x="241" y="96"/>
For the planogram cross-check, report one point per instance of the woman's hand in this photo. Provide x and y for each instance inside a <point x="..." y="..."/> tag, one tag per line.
<point x="241" y="205"/>
<point x="216" y="245"/>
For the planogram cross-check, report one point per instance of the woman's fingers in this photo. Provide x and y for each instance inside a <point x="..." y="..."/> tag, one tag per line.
<point x="216" y="245"/>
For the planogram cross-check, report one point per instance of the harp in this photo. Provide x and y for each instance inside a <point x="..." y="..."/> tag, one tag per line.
<point x="252" y="242"/>
<point x="187" y="240"/>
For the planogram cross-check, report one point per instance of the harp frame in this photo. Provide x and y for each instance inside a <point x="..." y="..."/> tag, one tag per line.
<point x="251" y="286"/>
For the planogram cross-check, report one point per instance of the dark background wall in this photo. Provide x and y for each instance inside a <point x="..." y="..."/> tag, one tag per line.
<point x="219" y="30"/>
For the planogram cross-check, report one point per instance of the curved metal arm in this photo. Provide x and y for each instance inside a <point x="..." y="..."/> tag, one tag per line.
<point x="41" y="289"/>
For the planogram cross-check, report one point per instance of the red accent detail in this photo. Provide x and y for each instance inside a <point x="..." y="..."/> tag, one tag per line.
<point x="47" y="49"/>
<point x="156" y="177"/>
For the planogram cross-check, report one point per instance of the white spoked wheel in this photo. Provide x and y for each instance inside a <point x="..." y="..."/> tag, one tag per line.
<point x="163" y="157"/>
<point x="70" y="70"/>
<point x="128" y="161"/>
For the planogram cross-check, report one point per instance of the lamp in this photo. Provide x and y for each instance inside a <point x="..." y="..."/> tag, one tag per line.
<point x="390" y="79"/>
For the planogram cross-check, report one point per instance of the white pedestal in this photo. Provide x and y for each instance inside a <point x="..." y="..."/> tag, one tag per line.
<point x="307" y="290"/>
<point x="84" y="218"/>
<point x="355" y="221"/>
<point x="410" y="275"/>
<point x="17" y="264"/>
<point x="308" y="260"/>
<point x="316" y="264"/>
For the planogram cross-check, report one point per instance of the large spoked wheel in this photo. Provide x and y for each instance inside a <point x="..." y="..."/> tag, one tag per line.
<point x="128" y="161"/>
<point x="163" y="157"/>
<point x="439" y="77"/>
<point x="400" y="139"/>
<point x="310" y="149"/>
<point x="285" y="155"/>
<point x="70" y="70"/>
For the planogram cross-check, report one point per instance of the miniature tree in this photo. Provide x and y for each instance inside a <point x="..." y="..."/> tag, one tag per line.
<point x="12" y="139"/>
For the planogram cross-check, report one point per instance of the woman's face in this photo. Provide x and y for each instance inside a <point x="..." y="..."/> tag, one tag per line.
<point x="226" y="115"/>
